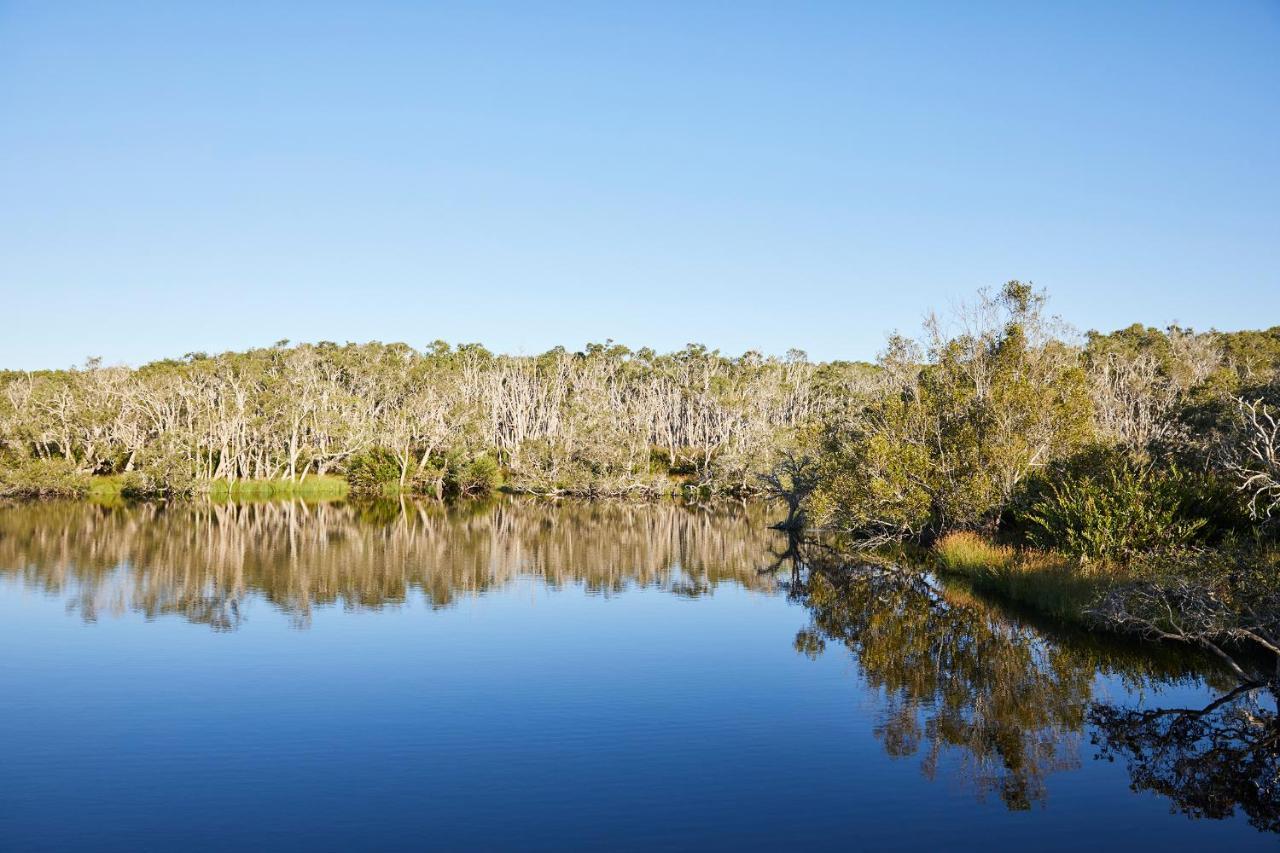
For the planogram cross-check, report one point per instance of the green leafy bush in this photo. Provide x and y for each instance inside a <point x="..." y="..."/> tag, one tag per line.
<point x="370" y="471"/>
<point x="160" y="473"/>
<point x="429" y="480"/>
<point x="960" y="422"/>
<point x="43" y="478"/>
<point x="471" y="477"/>
<point x="1118" y="511"/>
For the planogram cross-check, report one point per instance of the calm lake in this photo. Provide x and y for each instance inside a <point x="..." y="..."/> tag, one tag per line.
<point x="547" y="676"/>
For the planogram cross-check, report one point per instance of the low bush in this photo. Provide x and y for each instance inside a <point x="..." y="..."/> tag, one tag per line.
<point x="371" y="471"/>
<point x="1112" y="509"/>
<point x="429" y="480"/>
<point x="473" y="476"/>
<point x="43" y="478"/>
<point x="160" y="473"/>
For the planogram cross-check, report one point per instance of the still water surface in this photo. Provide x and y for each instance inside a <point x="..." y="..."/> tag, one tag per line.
<point x="535" y="676"/>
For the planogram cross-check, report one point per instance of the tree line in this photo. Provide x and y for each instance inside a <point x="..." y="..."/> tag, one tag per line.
<point x="1130" y="480"/>
<point x="605" y="420"/>
<point x="999" y="418"/>
<point x="1139" y="468"/>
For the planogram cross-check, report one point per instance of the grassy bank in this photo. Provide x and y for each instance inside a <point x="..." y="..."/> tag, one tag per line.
<point x="1222" y="600"/>
<point x="111" y="488"/>
<point x="1050" y="583"/>
<point x="314" y="487"/>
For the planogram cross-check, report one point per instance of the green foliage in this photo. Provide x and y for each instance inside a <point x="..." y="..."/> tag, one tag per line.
<point x="660" y="461"/>
<point x="370" y="472"/>
<point x="1205" y="365"/>
<point x="941" y="434"/>
<point x="1124" y="445"/>
<point x="1252" y="354"/>
<point x="1124" y="509"/>
<point x="42" y="478"/>
<point x="566" y="422"/>
<point x="161" y="471"/>
<point x="428" y="479"/>
<point x="966" y="419"/>
<point x="473" y="477"/>
<point x="871" y="484"/>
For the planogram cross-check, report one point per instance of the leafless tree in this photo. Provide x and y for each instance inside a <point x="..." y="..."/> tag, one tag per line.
<point x="1255" y="457"/>
<point x="1133" y="400"/>
<point x="1230" y="611"/>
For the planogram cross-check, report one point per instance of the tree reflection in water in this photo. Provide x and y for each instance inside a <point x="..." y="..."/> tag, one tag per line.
<point x="953" y="679"/>
<point x="1208" y="761"/>
<point x="1009" y="702"/>
<point x="972" y="691"/>
<point x="203" y="560"/>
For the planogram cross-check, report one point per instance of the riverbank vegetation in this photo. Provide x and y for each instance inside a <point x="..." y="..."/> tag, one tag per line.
<point x="1069" y="472"/>
<point x="389" y="418"/>
<point x="1121" y="479"/>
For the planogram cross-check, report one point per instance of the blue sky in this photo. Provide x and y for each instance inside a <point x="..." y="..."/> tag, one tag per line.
<point x="179" y="177"/>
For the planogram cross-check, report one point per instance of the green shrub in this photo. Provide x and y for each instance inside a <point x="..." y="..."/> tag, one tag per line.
<point x="371" y="471"/>
<point x="160" y="473"/>
<point x="1122" y="510"/>
<point x="659" y="461"/>
<point x="478" y="475"/>
<point x="429" y="480"/>
<point x="43" y="478"/>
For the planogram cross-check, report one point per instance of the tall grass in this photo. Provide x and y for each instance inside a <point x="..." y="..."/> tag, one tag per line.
<point x="965" y="552"/>
<point x="114" y="487"/>
<point x="315" y="486"/>
<point x="1044" y="580"/>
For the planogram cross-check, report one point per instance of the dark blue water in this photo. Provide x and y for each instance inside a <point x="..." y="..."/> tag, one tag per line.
<point x="530" y="677"/>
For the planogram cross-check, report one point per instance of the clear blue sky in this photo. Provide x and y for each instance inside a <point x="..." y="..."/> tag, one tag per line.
<point x="178" y="177"/>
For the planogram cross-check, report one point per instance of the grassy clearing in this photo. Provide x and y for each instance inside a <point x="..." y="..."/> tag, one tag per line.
<point x="1048" y="582"/>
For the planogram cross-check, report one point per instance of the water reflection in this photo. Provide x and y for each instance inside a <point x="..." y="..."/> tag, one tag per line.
<point x="1008" y="703"/>
<point x="202" y="560"/>
<point x="1208" y="761"/>
<point x="964" y="688"/>
<point x="950" y="678"/>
